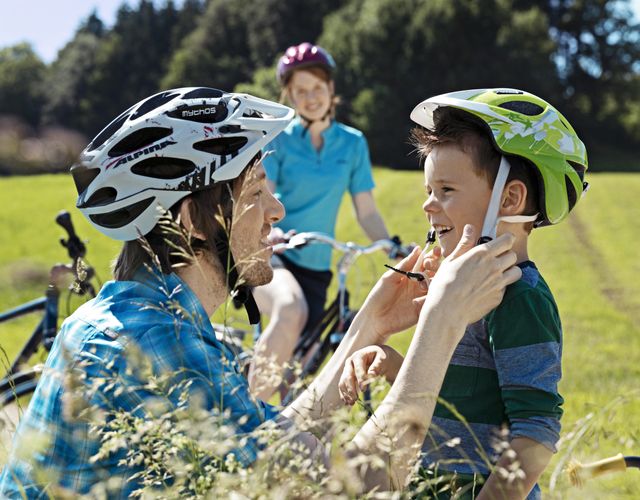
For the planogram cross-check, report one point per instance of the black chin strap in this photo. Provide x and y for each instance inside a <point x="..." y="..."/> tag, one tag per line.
<point x="241" y="295"/>
<point x="310" y="122"/>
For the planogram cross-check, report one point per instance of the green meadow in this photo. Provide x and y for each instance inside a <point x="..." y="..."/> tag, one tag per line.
<point x="590" y="262"/>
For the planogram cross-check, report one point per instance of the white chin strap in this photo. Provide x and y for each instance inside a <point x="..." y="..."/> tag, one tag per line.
<point x="491" y="219"/>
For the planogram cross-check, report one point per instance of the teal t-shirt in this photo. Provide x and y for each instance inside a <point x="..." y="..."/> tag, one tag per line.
<point x="310" y="183"/>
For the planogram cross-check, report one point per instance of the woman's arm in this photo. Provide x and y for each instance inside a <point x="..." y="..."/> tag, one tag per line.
<point x="368" y="216"/>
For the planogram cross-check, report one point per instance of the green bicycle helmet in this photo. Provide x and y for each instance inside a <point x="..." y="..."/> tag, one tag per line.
<point x="522" y="124"/>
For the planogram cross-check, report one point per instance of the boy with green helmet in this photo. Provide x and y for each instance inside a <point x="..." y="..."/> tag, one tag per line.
<point x="507" y="161"/>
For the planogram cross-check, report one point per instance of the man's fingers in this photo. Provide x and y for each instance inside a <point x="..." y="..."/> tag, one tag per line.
<point x="466" y="243"/>
<point x="512" y="275"/>
<point x="408" y="263"/>
<point x="500" y="244"/>
<point x="506" y="260"/>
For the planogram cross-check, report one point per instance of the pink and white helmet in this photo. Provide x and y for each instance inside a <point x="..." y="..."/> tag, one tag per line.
<point x="164" y="148"/>
<point x="303" y="55"/>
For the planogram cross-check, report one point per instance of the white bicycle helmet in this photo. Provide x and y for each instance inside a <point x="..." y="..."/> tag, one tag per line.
<point x="168" y="146"/>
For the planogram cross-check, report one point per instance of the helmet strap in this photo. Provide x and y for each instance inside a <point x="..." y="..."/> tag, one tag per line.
<point x="308" y="121"/>
<point x="491" y="219"/>
<point x="490" y="225"/>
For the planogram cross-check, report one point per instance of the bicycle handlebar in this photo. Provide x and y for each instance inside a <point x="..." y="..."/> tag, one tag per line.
<point x="300" y="240"/>
<point x="74" y="245"/>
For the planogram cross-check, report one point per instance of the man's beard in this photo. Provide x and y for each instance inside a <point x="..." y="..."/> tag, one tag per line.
<point x="256" y="273"/>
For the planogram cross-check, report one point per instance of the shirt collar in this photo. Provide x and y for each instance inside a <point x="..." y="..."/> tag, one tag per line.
<point x="170" y="287"/>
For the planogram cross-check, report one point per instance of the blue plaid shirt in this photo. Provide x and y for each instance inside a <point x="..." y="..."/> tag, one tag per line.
<point x="163" y="318"/>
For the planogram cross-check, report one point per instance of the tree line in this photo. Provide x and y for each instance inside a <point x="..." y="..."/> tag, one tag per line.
<point x="581" y="55"/>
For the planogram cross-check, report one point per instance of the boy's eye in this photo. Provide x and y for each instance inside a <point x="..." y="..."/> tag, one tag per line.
<point x="446" y="189"/>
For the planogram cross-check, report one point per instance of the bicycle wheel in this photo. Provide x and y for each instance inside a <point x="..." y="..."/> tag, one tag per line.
<point x="11" y="390"/>
<point x="20" y="384"/>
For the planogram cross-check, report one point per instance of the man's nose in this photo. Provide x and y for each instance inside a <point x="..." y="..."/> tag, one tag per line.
<point x="276" y="211"/>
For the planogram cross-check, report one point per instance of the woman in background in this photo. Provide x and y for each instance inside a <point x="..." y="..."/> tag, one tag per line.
<point x="312" y="164"/>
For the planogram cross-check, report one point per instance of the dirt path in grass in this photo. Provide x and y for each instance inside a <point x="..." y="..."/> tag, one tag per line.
<point x="610" y="288"/>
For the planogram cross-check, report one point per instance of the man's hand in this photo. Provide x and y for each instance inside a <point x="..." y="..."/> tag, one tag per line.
<point x="363" y="366"/>
<point x="471" y="281"/>
<point x="395" y="301"/>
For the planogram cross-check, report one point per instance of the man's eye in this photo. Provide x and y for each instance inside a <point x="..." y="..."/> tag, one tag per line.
<point x="258" y="193"/>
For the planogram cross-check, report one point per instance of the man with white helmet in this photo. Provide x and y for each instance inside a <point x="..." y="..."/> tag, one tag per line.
<point x="196" y="152"/>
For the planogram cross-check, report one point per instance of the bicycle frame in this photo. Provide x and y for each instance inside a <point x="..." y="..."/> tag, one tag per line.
<point x="351" y="251"/>
<point x="43" y="333"/>
<point x="336" y="316"/>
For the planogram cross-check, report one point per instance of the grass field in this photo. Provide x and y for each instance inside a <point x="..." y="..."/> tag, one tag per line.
<point x="591" y="263"/>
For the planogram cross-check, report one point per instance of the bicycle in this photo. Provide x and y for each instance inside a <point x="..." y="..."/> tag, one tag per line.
<point x="21" y="378"/>
<point x="325" y="336"/>
<point x="580" y="473"/>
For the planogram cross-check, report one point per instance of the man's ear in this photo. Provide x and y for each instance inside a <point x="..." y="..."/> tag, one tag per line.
<point x="185" y="219"/>
<point x="514" y="198"/>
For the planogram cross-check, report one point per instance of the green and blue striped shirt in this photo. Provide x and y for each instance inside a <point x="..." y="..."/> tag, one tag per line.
<point x="502" y="382"/>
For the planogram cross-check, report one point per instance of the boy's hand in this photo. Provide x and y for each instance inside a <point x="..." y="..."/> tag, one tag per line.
<point x="429" y="263"/>
<point x="364" y="365"/>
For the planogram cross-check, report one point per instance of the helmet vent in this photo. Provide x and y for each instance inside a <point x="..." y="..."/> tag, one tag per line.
<point x="153" y="102"/>
<point x="102" y="196"/>
<point x="523" y="107"/>
<point x="139" y="139"/>
<point x="204" y="93"/>
<point x="108" y="131"/>
<point x="230" y="129"/>
<point x="222" y="146"/>
<point x="163" y="168"/>
<point x="571" y="192"/>
<point x="123" y="216"/>
<point x="251" y="113"/>
<point x="83" y="176"/>
<point x="580" y="169"/>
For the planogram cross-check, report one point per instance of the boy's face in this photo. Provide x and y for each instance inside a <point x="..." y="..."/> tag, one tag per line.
<point x="456" y="195"/>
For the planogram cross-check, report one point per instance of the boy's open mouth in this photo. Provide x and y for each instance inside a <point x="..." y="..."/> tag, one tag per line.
<point x="442" y="230"/>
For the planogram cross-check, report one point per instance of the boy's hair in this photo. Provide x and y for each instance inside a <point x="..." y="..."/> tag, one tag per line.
<point x="206" y="209"/>
<point x="470" y="134"/>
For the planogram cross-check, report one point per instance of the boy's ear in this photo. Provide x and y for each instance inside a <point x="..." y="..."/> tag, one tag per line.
<point x="185" y="219"/>
<point x="514" y="198"/>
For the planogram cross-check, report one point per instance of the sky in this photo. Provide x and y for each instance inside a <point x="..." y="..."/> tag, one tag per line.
<point x="49" y="24"/>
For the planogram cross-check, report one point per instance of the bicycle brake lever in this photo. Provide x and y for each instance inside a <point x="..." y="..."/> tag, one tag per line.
<point x="408" y="274"/>
<point x="297" y="240"/>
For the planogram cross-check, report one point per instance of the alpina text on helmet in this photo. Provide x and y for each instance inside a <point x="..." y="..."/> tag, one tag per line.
<point x="138" y="154"/>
